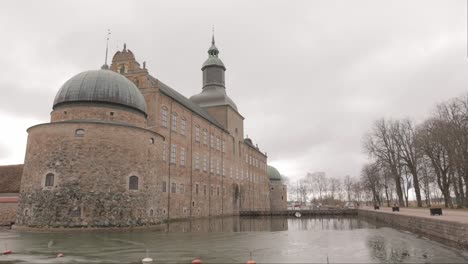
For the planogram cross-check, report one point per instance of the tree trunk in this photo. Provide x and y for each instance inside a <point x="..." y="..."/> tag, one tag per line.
<point x="398" y="189"/>
<point x="417" y="190"/>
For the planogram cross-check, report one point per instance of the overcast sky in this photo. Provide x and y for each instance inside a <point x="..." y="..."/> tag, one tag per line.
<point x="310" y="77"/>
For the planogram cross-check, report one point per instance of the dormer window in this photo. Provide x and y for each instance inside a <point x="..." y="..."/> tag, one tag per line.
<point x="122" y="69"/>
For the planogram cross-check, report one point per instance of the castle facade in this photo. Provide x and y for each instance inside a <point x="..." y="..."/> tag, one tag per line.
<point x="123" y="149"/>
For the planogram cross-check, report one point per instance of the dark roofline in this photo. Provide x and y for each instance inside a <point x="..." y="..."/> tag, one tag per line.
<point x="178" y="97"/>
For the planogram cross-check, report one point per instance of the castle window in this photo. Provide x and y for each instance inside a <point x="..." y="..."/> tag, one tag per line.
<point x="204" y="163"/>
<point x="152" y="140"/>
<point x="182" y="156"/>
<point x="218" y="191"/>
<point x="193" y="203"/>
<point x="197" y="161"/>
<point x="223" y="146"/>
<point x="204" y="189"/>
<point x="111" y="113"/>
<point x="217" y="143"/>
<point x="224" y="172"/>
<point x="197" y="134"/>
<point x="272" y="188"/>
<point x="26" y="212"/>
<point x="133" y="183"/>
<point x="151" y="212"/>
<point x="75" y="212"/>
<point x="196" y="188"/>
<point x="174" y="122"/>
<point x="65" y="112"/>
<point x="164" y="187"/>
<point x="164" y="117"/>
<point x="282" y="197"/>
<point x="173" y="188"/>
<point x="173" y="153"/>
<point x="211" y="140"/>
<point x="217" y="167"/>
<point x="49" y="180"/>
<point x="181" y="188"/>
<point x="183" y="126"/>
<point x="211" y="166"/>
<point x="164" y="151"/>
<point x="205" y="137"/>
<point x="211" y="190"/>
<point x="79" y="132"/>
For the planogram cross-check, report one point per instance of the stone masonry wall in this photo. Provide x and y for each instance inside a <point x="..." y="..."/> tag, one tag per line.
<point x="435" y="228"/>
<point x="7" y="213"/>
<point x="91" y="176"/>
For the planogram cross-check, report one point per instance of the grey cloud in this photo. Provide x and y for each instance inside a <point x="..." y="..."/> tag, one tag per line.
<point x="309" y="76"/>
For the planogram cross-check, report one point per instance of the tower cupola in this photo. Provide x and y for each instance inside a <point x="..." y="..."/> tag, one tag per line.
<point x="214" y="90"/>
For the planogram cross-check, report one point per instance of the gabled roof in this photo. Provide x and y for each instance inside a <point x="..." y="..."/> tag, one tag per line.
<point x="10" y="178"/>
<point x="184" y="101"/>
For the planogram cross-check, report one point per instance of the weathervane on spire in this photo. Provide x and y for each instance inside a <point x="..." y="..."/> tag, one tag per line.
<point x="107" y="50"/>
<point x="212" y="36"/>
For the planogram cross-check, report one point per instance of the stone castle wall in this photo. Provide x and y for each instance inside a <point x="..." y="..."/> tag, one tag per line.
<point x="100" y="112"/>
<point x="91" y="176"/>
<point x="7" y="213"/>
<point x="278" y="199"/>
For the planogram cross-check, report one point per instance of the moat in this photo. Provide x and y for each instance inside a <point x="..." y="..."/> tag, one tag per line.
<point x="232" y="240"/>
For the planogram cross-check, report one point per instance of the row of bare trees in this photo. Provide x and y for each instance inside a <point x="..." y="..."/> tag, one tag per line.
<point x="317" y="188"/>
<point x="430" y="158"/>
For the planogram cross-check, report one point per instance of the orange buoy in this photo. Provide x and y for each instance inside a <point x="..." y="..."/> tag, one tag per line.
<point x="196" y="261"/>
<point x="60" y="255"/>
<point x="7" y="252"/>
<point x="251" y="262"/>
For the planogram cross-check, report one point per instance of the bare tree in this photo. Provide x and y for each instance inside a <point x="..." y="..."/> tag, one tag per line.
<point x="381" y="144"/>
<point x="371" y="180"/>
<point x="405" y="137"/>
<point x="433" y="141"/>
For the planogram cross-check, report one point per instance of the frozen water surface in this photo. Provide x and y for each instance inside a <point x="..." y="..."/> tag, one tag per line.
<point x="232" y="240"/>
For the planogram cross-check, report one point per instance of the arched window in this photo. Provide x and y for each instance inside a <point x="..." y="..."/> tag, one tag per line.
<point x="151" y="212"/>
<point x="122" y="69"/>
<point x="49" y="180"/>
<point x="79" y="132"/>
<point x="152" y="140"/>
<point x="133" y="183"/>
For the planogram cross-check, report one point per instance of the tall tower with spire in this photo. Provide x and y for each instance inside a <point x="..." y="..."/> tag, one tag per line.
<point x="214" y="98"/>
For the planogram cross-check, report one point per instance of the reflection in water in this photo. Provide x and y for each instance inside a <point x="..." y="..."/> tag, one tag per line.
<point x="232" y="239"/>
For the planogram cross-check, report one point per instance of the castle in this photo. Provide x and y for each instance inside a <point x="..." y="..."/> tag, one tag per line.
<point x="123" y="149"/>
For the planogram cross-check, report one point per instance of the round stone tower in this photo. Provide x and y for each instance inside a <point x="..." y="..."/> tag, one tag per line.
<point x="278" y="190"/>
<point x="95" y="164"/>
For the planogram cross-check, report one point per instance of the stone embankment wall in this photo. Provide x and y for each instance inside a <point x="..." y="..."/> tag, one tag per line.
<point x="449" y="232"/>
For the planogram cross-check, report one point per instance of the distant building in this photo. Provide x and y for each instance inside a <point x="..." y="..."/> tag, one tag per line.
<point x="278" y="190"/>
<point x="123" y="149"/>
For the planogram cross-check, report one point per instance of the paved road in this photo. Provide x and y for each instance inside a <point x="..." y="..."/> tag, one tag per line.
<point x="447" y="214"/>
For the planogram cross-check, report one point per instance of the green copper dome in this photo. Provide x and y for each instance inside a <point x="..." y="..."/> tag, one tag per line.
<point x="273" y="173"/>
<point x="101" y="86"/>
